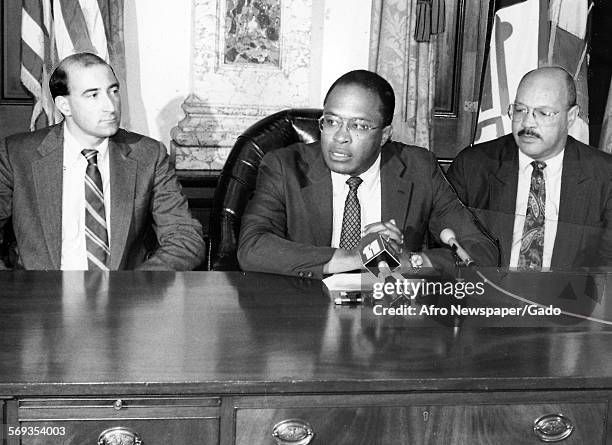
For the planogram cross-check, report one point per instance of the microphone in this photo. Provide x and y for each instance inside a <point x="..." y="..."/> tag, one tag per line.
<point x="447" y="236"/>
<point x="378" y="255"/>
<point x="479" y="225"/>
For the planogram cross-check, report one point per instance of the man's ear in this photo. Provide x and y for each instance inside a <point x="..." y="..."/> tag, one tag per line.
<point x="386" y="134"/>
<point x="572" y="115"/>
<point x="63" y="105"/>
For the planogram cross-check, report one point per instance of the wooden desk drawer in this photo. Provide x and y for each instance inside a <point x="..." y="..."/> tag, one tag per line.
<point x="160" y="421"/>
<point x="436" y="424"/>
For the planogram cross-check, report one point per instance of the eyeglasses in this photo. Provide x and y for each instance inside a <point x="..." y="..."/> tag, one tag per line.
<point x="358" y="127"/>
<point x="542" y="116"/>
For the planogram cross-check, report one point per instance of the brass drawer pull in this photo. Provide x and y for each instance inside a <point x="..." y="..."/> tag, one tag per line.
<point x="292" y="432"/>
<point x="553" y="428"/>
<point x="119" y="436"/>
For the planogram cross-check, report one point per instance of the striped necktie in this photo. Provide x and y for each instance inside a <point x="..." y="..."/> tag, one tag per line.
<point x="532" y="244"/>
<point x="96" y="233"/>
<point x="351" y="220"/>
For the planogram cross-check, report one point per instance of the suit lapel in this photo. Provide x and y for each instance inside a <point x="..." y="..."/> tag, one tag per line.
<point x="503" y="184"/>
<point x="123" y="184"/>
<point x="573" y="205"/>
<point x="317" y="193"/>
<point x="48" y="185"/>
<point x="396" y="187"/>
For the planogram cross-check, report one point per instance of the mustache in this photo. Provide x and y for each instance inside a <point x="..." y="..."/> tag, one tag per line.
<point x="529" y="132"/>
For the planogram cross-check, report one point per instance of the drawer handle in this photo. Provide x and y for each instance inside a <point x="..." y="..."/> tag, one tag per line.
<point x="119" y="436"/>
<point x="292" y="432"/>
<point x="553" y="428"/>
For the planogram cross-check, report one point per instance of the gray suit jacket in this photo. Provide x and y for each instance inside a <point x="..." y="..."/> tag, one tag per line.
<point x="485" y="177"/>
<point x="145" y="195"/>
<point x="287" y="226"/>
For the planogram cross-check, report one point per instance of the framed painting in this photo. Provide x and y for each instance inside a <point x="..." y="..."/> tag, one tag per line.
<point x="250" y="34"/>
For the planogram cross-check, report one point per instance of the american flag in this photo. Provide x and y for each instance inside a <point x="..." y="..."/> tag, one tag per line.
<point x="527" y="34"/>
<point x="54" y="29"/>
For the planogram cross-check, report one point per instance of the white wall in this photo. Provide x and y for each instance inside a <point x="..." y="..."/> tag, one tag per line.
<point x="158" y="48"/>
<point x="158" y="40"/>
<point x="346" y="39"/>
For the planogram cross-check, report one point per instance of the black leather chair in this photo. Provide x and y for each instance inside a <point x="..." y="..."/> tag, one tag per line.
<point x="237" y="181"/>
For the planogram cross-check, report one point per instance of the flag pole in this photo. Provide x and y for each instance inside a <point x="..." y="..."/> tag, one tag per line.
<point x="485" y="62"/>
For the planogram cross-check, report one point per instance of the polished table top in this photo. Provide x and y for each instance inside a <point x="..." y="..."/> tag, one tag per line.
<point x="231" y="332"/>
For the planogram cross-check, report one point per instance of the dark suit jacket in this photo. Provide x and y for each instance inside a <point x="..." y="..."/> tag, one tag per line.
<point x="287" y="226"/>
<point x="145" y="194"/>
<point x="485" y="177"/>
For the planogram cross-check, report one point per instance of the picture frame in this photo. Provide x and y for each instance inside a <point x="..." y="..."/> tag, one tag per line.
<point x="250" y="35"/>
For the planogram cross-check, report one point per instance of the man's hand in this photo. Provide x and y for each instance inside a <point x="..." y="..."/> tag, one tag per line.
<point x="386" y="228"/>
<point x="345" y="260"/>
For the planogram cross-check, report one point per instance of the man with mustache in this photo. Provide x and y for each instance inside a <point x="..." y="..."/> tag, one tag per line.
<point x="87" y="195"/>
<point x="314" y="202"/>
<point x="544" y="195"/>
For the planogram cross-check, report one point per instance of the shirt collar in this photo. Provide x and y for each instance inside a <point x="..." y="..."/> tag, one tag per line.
<point x="73" y="148"/>
<point x="368" y="176"/>
<point x="553" y="164"/>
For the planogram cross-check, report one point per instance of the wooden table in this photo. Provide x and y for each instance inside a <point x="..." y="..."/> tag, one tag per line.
<point x="220" y="358"/>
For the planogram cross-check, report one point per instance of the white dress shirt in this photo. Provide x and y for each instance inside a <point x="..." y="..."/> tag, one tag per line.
<point x="552" y="181"/>
<point x="368" y="193"/>
<point x="74" y="251"/>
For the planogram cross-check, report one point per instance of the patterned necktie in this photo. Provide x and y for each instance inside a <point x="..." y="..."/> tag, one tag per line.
<point x="532" y="243"/>
<point x="351" y="221"/>
<point x="96" y="235"/>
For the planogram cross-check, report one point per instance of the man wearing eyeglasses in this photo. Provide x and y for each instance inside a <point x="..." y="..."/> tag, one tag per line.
<point x="546" y="196"/>
<point x="314" y="202"/>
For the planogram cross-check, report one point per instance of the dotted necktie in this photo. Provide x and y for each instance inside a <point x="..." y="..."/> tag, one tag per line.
<point x="96" y="233"/>
<point x="351" y="221"/>
<point x="532" y="243"/>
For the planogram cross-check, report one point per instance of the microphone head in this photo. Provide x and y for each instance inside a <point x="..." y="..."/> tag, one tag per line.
<point x="383" y="266"/>
<point x="375" y="252"/>
<point x="447" y="235"/>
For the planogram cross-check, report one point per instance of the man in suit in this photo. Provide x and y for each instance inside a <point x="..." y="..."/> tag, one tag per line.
<point x="86" y="194"/>
<point x="314" y="202"/>
<point x="546" y="196"/>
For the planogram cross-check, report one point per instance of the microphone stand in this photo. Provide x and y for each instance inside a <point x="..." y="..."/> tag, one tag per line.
<point x="460" y="268"/>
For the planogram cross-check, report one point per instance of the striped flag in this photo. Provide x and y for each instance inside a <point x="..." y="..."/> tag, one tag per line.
<point x="605" y="140"/>
<point x="79" y="28"/>
<point x="527" y="34"/>
<point x="38" y="56"/>
<point x="54" y="29"/>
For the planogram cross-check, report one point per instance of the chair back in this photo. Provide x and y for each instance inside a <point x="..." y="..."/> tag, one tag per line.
<point x="238" y="177"/>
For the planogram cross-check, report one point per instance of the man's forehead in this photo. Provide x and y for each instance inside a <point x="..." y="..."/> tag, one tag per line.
<point x="543" y="80"/>
<point x="544" y="89"/>
<point x="355" y="100"/>
<point x="91" y="76"/>
<point x="349" y="89"/>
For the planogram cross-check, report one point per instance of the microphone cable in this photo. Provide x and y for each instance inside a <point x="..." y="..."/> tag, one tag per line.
<point x="525" y="300"/>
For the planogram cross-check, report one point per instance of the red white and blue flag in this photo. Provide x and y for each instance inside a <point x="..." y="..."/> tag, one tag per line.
<point x="527" y="34"/>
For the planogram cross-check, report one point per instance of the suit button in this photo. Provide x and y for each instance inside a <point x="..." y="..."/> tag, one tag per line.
<point x="309" y="274"/>
<point x="301" y="274"/>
